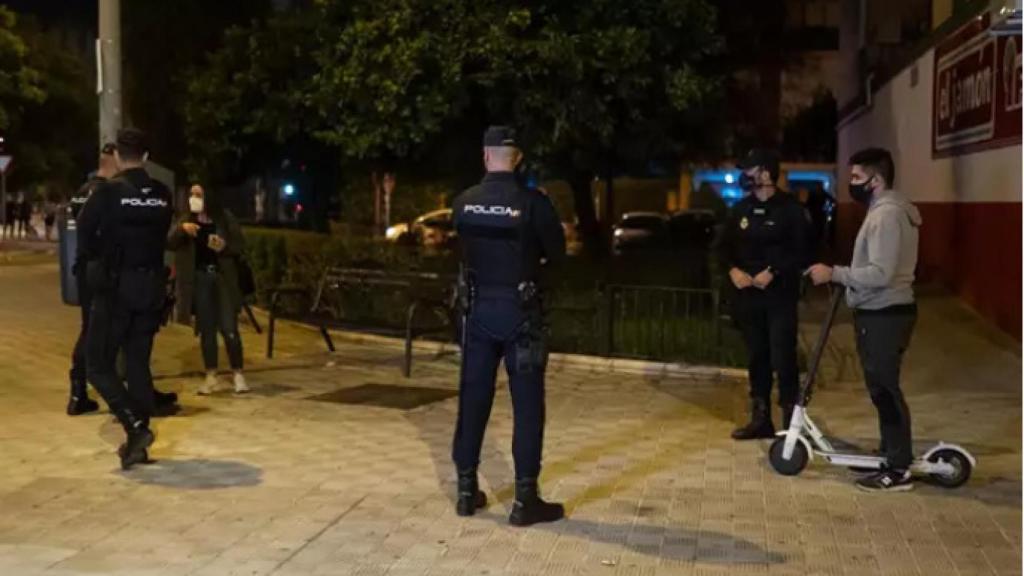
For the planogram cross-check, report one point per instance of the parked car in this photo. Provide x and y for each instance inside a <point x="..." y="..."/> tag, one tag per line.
<point x="433" y="229"/>
<point x="640" y="230"/>
<point x="693" y="229"/>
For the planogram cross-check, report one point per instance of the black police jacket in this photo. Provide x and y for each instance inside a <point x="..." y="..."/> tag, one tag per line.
<point x="79" y="198"/>
<point x="774" y="233"/>
<point x="506" y="231"/>
<point x="124" y="223"/>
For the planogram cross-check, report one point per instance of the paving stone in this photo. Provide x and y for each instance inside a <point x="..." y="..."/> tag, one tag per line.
<point x="278" y="482"/>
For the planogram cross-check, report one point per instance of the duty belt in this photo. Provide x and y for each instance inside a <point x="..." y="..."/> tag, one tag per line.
<point x="525" y="293"/>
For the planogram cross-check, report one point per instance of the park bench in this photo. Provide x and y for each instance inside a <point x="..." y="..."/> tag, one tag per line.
<point x="416" y="292"/>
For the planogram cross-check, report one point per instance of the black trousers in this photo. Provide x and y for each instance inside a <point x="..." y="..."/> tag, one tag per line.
<point x="79" y="374"/>
<point x="215" y="313"/>
<point x="499" y="329"/>
<point x="882" y="338"/>
<point x="125" y="317"/>
<point x="768" y="320"/>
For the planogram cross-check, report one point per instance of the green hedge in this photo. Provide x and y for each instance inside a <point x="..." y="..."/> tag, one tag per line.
<point x="575" y="302"/>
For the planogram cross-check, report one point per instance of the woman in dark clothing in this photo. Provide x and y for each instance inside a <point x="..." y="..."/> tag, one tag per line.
<point x="214" y="239"/>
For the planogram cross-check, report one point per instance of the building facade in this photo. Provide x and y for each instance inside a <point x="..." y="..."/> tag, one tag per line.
<point x="948" y="106"/>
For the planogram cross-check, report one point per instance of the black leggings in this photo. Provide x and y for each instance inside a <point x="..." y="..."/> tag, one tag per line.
<point x="215" y="314"/>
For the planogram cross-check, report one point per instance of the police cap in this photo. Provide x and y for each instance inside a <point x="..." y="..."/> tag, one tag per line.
<point x="498" y="136"/>
<point x="761" y="158"/>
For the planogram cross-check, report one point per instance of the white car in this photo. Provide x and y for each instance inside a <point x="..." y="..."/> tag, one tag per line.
<point x="640" y="230"/>
<point x="431" y="229"/>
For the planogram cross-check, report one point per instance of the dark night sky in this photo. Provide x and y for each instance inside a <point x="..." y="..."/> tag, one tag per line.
<point x="78" y="13"/>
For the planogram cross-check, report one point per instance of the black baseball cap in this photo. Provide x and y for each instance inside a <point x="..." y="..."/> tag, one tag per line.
<point x="497" y="136"/>
<point x="108" y="149"/>
<point x="761" y="158"/>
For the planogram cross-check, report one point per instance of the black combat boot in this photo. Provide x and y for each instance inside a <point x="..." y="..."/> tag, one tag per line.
<point x="162" y="399"/>
<point x="760" y="425"/>
<point x="79" y="405"/>
<point x="529" y="509"/>
<point x="165" y="404"/>
<point x="79" y="402"/>
<point x="471" y="498"/>
<point x="140" y="438"/>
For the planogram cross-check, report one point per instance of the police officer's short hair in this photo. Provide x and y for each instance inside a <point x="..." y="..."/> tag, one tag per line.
<point x="878" y="161"/>
<point x="131" y="144"/>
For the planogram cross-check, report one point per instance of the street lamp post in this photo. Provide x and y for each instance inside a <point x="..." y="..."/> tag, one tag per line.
<point x="108" y="70"/>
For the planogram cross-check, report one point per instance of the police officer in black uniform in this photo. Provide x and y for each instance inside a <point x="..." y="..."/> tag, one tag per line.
<point x="80" y="403"/>
<point x="124" y="228"/>
<point x="764" y="248"/>
<point x="506" y="233"/>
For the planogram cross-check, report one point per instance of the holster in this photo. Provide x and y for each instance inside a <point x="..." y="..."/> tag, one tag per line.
<point x="100" y="278"/>
<point x="531" y="346"/>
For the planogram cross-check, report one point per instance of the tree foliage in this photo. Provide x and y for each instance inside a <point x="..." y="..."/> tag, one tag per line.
<point x="595" y="87"/>
<point x="54" y="140"/>
<point x="19" y="82"/>
<point x="163" y="43"/>
<point x="251" y="93"/>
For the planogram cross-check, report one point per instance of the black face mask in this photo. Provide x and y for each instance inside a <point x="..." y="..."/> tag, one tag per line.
<point x="747" y="183"/>
<point x="861" y="192"/>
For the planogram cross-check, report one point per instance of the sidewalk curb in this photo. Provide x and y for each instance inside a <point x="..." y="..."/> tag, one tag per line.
<point x="556" y="361"/>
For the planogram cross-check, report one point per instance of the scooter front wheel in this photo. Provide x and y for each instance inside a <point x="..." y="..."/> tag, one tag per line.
<point x="797" y="461"/>
<point x="962" y="468"/>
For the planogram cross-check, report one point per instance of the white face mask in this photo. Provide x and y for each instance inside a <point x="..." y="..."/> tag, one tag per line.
<point x="195" y="204"/>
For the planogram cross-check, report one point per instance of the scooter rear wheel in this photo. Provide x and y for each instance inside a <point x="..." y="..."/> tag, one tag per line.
<point x="960" y="463"/>
<point x="796" y="463"/>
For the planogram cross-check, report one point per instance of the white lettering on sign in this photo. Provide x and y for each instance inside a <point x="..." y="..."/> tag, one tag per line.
<point x="147" y="203"/>
<point x="965" y="94"/>
<point x="1012" y="75"/>
<point x="491" y="210"/>
<point x="960" y="96"/>
<point x="977" y="91"/>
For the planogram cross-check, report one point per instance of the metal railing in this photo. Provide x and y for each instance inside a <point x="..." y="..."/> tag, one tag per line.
<point x="663" y="323"/>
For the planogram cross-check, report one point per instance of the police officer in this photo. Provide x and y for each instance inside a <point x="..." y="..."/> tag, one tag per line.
<point x="80" y="403"/>
<point x="506" y="232"/>
<point x="764" y="248"/>
<point x="123" y="228"/>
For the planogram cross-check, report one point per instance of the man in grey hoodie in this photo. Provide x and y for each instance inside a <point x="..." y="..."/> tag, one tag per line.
<point x="879" y="289"/>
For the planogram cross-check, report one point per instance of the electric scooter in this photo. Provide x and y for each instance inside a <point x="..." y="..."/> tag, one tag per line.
<point x="947" y="465"/>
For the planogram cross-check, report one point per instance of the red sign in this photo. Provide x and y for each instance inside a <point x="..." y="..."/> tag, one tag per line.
<point x="977" y="95"/>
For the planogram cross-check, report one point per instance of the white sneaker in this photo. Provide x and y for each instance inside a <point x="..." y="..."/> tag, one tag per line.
<point x="209" y="384"/>
<point x="240" y="386"/>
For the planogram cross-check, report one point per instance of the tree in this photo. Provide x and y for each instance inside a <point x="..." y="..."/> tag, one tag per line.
<point x="248" y="109"/>
<point x="391" y="79"/>
<point x="596" y="87"/>
<point x="366" y="84"/>
<point x="600" y="87"/>
<point x="54" y="140"/>
<point x="164" y="42"/>
<point x="19" y="82"/>
<point x="251" y="95"/>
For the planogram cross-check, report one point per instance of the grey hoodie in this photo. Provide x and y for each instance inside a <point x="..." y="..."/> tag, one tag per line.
<point x="884" y="256"/>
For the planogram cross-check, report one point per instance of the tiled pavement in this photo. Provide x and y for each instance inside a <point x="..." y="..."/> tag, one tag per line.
<point x="277" y="483"/>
